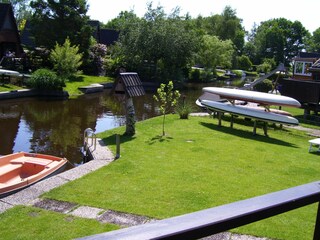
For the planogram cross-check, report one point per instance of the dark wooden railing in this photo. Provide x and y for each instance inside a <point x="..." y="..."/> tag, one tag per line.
<point x="222" y="218"/>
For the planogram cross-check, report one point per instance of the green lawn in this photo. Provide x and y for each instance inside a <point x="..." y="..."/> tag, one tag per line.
<point x="33" y="223"/>
<point x="71" y="85"/>
<point x="83" y="80"/>
<point x="199" y="165"/>
<point x="8" y="87"/>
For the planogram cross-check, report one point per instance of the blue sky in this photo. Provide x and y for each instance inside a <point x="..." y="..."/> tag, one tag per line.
<point x="306" y="11"/>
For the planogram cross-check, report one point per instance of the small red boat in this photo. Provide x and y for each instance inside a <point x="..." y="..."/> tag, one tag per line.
<point x="20" y="170"/>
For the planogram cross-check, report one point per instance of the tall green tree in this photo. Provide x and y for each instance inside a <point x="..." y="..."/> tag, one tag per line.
<point x="120" y="21"/>
<point x="229" y="26"/>
<point x="53" y="21"/>
<point x="280" y="39"/>
<point x="226" y="26"/>
<point x="314" y="42"/>
<point x="215" y="52"/>
<point x="160" y="42"/>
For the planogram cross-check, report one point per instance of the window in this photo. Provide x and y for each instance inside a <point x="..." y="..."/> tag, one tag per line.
<point x="302" y="68"/>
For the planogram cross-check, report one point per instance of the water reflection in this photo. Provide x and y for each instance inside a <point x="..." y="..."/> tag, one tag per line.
<point x="56" y="127"/>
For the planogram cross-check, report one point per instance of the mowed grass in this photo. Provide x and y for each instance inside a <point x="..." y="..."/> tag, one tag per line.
<point x="33" y="223"/>
<point x="9" y="87"/>
<point x="199" y="165"/>
<point x="73" y="84"/>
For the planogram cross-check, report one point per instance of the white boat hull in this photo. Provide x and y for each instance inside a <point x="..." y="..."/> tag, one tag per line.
<point x="248" y="112"/>
<point x="252" y="96"/>
<point x="9" y="72"/>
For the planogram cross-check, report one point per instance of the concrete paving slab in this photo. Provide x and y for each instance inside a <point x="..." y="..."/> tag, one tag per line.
<point x="95" y="164"/>
<point x="87" y="212"/>
<point x="101" y="152"/>
<point x="123" y="219"/>
<point x="75" y="173"/>
<point x="53" y="205"/>
<point x="245" y="237"/>
<point x="219" y="236"/>
<point x="24" y="197"/>
<point x="50" y="183"/>
<point x="4" y="206"/>
<point x="82" y="170"/>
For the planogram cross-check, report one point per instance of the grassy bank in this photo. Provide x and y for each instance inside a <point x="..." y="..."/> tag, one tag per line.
<point x="9" y="87"/>
<point x="83" y="80"/>
<point x="199" y="165"/>
<point x="71" y="85"/>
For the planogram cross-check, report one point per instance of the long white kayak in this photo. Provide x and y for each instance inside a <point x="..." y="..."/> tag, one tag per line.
<point x="252" y="96"/>
<point x="248" y="112"/>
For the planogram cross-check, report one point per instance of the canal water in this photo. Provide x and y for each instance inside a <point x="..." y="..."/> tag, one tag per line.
<point x="56" y="127"/>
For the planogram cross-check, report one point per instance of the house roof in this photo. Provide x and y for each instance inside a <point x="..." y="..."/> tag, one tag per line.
<point x="96" y="29"/>
<point x="8" y="28"/>
<point x="108" y="36"/>
<point x="308" y="55"/>
<point x="26" y="36"/>
<point x="104" y="36"/>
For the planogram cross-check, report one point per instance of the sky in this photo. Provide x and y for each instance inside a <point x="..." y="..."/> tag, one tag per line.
<point x="250" y="11"/>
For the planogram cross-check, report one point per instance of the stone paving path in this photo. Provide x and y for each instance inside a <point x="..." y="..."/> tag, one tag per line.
<point x="103" y="156"/>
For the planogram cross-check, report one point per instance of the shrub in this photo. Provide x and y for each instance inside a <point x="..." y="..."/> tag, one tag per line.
<point x="194" y="75"/>
<point x="243" y="62"/>
<point x="267" y="65"/>
<point x="45" y="79"/>
<point x="97" y="57"/>
<point x="264" y="86"/>
<point x="66" y="59"/>
<point x="238" y="73"/>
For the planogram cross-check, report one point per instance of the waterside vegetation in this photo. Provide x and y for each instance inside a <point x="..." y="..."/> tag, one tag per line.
<point x="71" y="85"/>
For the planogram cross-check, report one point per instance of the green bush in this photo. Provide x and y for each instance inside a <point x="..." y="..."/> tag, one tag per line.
<point x="239" y="73"/>
<point x="195" y="75"/>
<point x="267" y="65"/>
<point x="264" y="86"/>
<point x="243" y="62"/>
<point x="66" y="59"/>
<point x="46" y="79"/>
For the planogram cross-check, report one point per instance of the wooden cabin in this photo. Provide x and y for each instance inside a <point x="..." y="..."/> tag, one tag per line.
<point x="304" y="85"/>
<point x="9" y="35"/>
